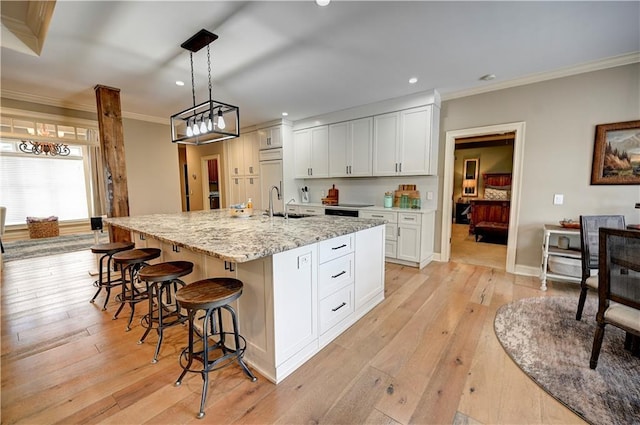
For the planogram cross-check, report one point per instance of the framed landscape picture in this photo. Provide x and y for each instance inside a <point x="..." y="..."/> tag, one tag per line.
<point x="616" y="154"/>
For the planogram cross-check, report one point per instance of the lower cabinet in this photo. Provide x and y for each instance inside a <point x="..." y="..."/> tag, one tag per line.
<point x="409" y="236"/>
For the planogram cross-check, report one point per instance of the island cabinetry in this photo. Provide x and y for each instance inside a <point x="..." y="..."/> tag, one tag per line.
<point x="351" y="148"/>
<point x="270" y="138"/>
<point x="335" y="281"/>
<point x="295" y="302"/>
<point x="406" y="142"/>
<point x="311" y="152"/>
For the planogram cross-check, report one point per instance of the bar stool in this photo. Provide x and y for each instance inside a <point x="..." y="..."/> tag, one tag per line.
<point x="211" y="295"/>
<point x="131" y="262"/>
<point x="108" y="250"/>
<point x="161" y="279"/>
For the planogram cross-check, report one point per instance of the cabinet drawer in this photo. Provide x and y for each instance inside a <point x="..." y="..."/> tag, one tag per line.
<point x="408" y="218"/>
<point x="292" y="209"/>
<point x="335" y="274"/>
<point x="334" y="248"/>
<point x="311" y="210"/>
<point x="390" y="216"/>
<point x="335" y="308"/>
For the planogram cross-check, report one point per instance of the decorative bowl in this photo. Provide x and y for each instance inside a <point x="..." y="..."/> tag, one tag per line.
<point x="240" y="212"/>
<point x="570" y="224"/>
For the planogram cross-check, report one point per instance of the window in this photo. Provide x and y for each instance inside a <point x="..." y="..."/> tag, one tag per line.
<point x="42" y="185"/>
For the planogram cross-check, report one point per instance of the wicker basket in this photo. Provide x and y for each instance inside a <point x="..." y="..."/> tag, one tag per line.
<point x="44" y="228"/>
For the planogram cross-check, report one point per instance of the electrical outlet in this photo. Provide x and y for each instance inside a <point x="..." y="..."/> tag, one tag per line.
<point x="304" y="260"/>
<point x="429" y="196"/>
<point x="558" y="199"/>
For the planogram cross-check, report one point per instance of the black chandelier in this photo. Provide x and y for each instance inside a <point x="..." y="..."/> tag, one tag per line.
<point x="208" y="122"/>
<point x="47" y="148"/>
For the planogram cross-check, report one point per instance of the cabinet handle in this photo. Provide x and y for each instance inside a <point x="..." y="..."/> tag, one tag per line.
<point x="251" y="169"/>
<point x="376" y="215"/>
<point x="338" y="247"/>
<point x="175" y="248"/>
<point x="396" y="167"/>
<point x="409" y="218"/>
<point x="398" y="231"/>
<point x="346" y="169"/>
<point x="349" y="169"/>
<point x="339" y="307"/>
<point x="235" y="170"/>
<point x="141" y="236"/>
<point x="251" y="180"/>
<point x="311" y="171"/>
<point x="400" y="167"/>
<point x="228" y="265"/>
<point x="339" y="274"/>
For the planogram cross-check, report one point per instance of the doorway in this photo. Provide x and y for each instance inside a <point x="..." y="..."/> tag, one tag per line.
<point x="212" y="185"/>
<point x="448" y="186"/>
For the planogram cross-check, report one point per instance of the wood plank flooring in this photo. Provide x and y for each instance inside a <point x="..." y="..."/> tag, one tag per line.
<point x="426" y="355"/>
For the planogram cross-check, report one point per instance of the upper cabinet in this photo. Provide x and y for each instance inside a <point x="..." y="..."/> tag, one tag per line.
<point x="311" y="152"/>
<point x="270" y="138"/>
<point x="350" y="148"/>
<point x="243" y="155"/>
<point x="406" y="142"/>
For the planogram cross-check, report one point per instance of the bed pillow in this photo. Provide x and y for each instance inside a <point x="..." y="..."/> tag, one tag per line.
<point x="496" y="194"/>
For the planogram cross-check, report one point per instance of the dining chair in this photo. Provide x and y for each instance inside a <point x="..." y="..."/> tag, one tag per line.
<point x="618" y="286"/>
<point x="589" y="225"/>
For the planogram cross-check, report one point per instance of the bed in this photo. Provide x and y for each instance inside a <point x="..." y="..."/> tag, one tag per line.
<point x="490" y="215"/>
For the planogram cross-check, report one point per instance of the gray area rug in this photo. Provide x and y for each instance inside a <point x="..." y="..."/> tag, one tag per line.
<point x="542" y="336"/>
<point x="31" y="248"/>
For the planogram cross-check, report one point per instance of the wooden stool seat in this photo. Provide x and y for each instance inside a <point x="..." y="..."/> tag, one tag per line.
<point x="137" y="255"/>
<point x="162" y="282"/>
<point x="209" y="293"/>
<point x="209" y="346"/>
<point x="133" y="261"/>
<point x="108" y="250"/>
<point x="166" y="271"/>
<point x="112" y="247"/>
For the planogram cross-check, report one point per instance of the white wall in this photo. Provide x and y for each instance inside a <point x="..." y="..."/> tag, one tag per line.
<point x="153" y="178"/>
<point x="560" y="117"/>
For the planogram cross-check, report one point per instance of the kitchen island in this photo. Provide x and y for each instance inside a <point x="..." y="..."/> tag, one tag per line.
<point x="306" y="280"/>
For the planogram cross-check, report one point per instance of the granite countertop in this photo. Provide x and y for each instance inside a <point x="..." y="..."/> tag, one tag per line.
<point x="237" y="239"/>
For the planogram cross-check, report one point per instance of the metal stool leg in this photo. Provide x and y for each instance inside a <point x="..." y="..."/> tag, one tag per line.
<point x="98" y="282"/>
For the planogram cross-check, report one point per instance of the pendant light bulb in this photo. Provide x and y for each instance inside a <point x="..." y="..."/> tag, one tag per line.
<point x="189" y="129"/>
<point x="209" y="124"/>
<point x="203" y="126"/>
<point x="221" y="123"/>
<point x="196" y="128"/>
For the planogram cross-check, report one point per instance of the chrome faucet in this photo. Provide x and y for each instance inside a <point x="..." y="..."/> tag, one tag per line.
<point x="286" y="209"/>
<point x="271" y="198"/>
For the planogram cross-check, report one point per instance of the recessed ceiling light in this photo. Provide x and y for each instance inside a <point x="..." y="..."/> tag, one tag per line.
<point x="285" y="114"/>
<point x="322" y="2"/>
<point x="179" y="83"/>
<point x="488" y="77"/>
<point x="413" y="80"/>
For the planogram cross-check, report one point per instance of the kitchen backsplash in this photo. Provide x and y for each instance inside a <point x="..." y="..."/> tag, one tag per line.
<point x="369" y="190"/>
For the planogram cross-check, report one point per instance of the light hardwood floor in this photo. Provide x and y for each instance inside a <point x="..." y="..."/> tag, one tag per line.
<point x="464" y="249"/>
<point x="427" y="354"/>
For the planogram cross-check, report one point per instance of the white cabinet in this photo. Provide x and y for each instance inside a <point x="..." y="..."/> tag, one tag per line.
<point x="406" y="142"/>
<point x="270" y="138"/>
<point x="244" y="169"/>
<point x="311" y="152"/>
<point x="408" y="236"/>
<point x="369" y="268"/>
<point x="271" y="175"/>
<point x="550" y="249"/>
<point x="310" y="210"/>
<point x="295" y="301"/>
<point x="350" y="148"/>
<point x="335" y="281"/>
<point x="250" y="152"/>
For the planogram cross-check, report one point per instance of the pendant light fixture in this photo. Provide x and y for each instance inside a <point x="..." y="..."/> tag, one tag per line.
<point x="208" y="122"/>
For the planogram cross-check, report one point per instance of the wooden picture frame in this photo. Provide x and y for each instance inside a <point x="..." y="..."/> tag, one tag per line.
<point x="616" y="154"/>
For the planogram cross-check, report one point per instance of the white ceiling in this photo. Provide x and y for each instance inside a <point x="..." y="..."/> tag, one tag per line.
<point x="308" y="60"/>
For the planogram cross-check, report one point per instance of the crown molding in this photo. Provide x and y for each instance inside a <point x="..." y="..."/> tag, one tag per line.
<point x="50" y="101"/>
<point x="611" y="62"/>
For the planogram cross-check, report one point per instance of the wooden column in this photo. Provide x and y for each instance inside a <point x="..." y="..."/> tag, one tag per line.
<point x="112" y="147"/>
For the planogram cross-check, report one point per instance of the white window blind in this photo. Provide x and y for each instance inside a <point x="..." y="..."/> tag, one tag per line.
<point x="40" y="186"/>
